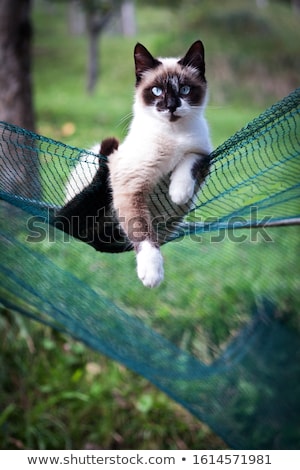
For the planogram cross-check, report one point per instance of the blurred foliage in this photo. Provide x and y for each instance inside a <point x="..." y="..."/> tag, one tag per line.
<point x="251" y="54"/>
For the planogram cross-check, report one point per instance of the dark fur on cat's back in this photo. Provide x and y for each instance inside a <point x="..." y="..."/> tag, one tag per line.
<point x="89" y="217"/>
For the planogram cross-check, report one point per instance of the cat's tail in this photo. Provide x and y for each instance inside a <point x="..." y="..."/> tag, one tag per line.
<point x="108" y="146"/>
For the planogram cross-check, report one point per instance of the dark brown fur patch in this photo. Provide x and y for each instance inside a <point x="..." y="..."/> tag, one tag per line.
<point x="195" y="58"/>
<point x="89" y="217"/>
<point x="171" y="82"/>
<point x="108" y="146"/>
<point x="201" y="168"/>
<point x="144" y="61"/>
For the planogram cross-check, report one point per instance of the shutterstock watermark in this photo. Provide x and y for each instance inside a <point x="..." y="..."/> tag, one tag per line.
<point x="218" y="229"/>
<point x="104" y="228"/>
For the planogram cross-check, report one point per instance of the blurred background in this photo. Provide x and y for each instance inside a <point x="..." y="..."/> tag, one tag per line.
<point x="78" y="88"/>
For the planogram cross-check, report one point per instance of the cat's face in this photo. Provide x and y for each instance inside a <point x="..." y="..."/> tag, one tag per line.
<point x="170" y="88"/>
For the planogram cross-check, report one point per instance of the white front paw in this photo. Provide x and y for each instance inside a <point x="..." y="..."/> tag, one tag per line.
<point x="150" y="268"/>
<point x="181" y="191"/>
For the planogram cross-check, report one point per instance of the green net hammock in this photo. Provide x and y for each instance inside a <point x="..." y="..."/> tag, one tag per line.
<point x="221" y="335"/>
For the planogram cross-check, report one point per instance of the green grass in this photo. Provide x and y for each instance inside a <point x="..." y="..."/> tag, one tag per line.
<point x="57" y="393"/>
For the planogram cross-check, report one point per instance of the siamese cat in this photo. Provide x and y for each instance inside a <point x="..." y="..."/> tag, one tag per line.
<point x="168" y="135"/>
<point x="168" y="142"/>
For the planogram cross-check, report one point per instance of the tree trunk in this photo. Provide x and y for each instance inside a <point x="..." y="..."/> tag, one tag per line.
<point x="93" y="60"/>
<point x="262" y="3"/>
<point x="19" y="163"/>
<point x="75" y="18"/>
<point x="96" y="22"/>
<point x="296" y="6"/>
<point x="128" y="21"/>
<point x="16" y="104"/>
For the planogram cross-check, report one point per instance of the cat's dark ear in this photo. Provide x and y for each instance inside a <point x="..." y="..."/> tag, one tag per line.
<point x="143" y="61"/>
<point x="195" y="58"/>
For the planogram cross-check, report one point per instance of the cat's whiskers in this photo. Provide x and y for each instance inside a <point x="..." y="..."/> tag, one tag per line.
<point x="125" y="122"/>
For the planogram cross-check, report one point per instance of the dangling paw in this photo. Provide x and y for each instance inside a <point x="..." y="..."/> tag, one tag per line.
<point x="149" y="264"/>
<point x="181" y="190"/>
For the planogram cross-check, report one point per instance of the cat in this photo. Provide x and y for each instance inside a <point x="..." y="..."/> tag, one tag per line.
<point x="147" y="185"/>
<point x="168" y="138"/>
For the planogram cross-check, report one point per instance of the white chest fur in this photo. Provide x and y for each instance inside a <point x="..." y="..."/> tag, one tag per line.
<point x="154" y="146"/>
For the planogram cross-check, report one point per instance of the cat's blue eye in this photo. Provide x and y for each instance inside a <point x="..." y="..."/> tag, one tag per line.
<point x="185" y="89"/>
<point x="156" y="91"/>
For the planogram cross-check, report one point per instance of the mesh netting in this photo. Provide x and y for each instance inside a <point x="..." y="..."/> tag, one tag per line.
<point x="221" y="334"/>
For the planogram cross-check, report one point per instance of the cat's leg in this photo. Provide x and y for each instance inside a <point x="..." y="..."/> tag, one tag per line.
<point x="135" y="219"/>
<point x="187" y="177"/>
<point x="150" y="267"/>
